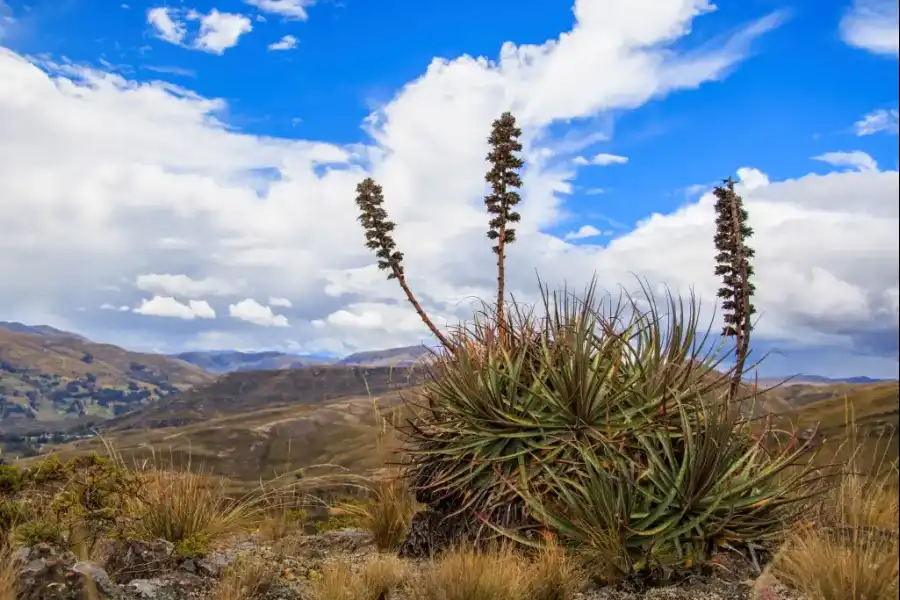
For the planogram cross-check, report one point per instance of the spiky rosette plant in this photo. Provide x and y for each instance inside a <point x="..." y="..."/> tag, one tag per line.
<point x="524" y="436"/>
<point x="608" y="424"/>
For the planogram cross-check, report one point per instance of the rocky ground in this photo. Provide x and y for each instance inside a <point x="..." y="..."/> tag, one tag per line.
<point x="136" y="570"/>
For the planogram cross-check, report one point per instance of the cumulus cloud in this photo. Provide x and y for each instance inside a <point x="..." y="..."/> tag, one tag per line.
<point x="602" y="160"/>
<point x="281" y="302"/>
<point x="101" y="177"/>
<point x="584" y="232"/>
<point x="872" y="25"/>
<point x="289" y="9"/>
<point x="857" y="159"/>
<point x="752" y="178"/>
<point x="166" y="306"/>
<point x="253" y="312"/>
<point x="879" y="121"/>
<point x="287" y="42"/>
<point x="216" y="32"/>
<point x="166" y="25"/>
<point x="219" y="31"/>
<point x="185" y="287"/>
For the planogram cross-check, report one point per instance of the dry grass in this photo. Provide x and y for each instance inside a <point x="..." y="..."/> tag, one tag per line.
<point x="850" y="551"/>
<point x="377" y="578"/>
<point x="553" y="574"/>
<point x="467" y="574"/>
<point x="7" y="574"/>
<point x="247" y="578"/>
<point x="187" y="507"/>
<point x="387" y="514"/>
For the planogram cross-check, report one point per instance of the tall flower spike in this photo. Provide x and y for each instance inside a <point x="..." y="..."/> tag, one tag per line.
<point x="379" y="238"/>
<point x="504" y="179"/>
<point x="733" y="266"/>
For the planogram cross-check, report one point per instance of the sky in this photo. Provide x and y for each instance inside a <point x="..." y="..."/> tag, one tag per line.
<point x="182" y="175"/>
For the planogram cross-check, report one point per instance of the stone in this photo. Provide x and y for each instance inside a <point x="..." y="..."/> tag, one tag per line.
<point x="139" y="559"/>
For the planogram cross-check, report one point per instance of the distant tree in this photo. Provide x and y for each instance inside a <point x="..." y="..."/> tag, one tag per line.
<point x="504" y="179"/>
<point x="733" y="266"/>
<point x="88" y="358"/>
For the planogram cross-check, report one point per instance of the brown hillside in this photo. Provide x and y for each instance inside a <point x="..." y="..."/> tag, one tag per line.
<point x="47" y="379"/>
<point x="245" y="392"/>
<point x="264" y="442"/>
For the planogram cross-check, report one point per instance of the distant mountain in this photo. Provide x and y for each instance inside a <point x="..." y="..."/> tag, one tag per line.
<point x="818" y="379"/>
<point x="53" y="379"/>
<point x="230" y="361"/>
<point x="391" y="357"/>
<point x="42" y="330"/>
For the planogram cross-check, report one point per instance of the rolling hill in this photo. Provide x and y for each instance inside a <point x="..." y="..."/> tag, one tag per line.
<point x="256" y="445"/>
<point x="55" y="380"/>
<point x="43" y="330"/>
<point x="246" y="392"/>
<point x="248" y="426"/>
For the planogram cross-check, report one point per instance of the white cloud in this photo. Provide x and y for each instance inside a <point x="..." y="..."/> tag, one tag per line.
<point x="602" y="160"/>
<point x="879" y="121"/>
<point x="584" y="232"/>
<point x="857" y="159"/>
<point x="289" y="9"/>
<point x="166" y="25"/>
<point x="96" y="171"/>
<point x="217" y="31"/>
<point x="287" y="42"/>
<point x="220" y="31"/>
<point x="873" y="25"/>
<point x="253" y="312"/>
<point x="107" y="306"/>
<point x="280" y="302"/>
<point x="166" y="306"/>
<point x="752" y="178"/>
<point x="185" y="287"/>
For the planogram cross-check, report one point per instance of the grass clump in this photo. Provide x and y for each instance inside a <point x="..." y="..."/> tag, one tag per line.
<point x="375" y="580"/>
<point x="850" y="550"/>
<point x="468" y="573"/>
<point x="386" y="514"/>
<point x="247" y="578"/>
<point x="190" y="510"/>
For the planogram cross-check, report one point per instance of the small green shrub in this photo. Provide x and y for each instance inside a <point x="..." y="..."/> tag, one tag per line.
<point x="11" y="479"/>
<point x="38" y="532"/>
<point x="196" y="545"/>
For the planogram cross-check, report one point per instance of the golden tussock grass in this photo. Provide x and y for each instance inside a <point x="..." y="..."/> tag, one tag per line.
<point x="850" y="549"/>
<point x="375" y="579"/>
<point x="246" y="579"/>
<point x="387" y="513"/>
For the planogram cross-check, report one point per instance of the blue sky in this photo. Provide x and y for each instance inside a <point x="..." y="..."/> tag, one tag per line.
<point x="778" y="92"/>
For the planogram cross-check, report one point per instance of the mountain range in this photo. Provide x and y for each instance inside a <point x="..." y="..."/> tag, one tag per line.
<point x="55" y="380"/>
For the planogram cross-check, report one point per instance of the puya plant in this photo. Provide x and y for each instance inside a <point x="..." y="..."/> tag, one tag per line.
<point x="603" y="424"/>
<point x="733" y="266"/>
